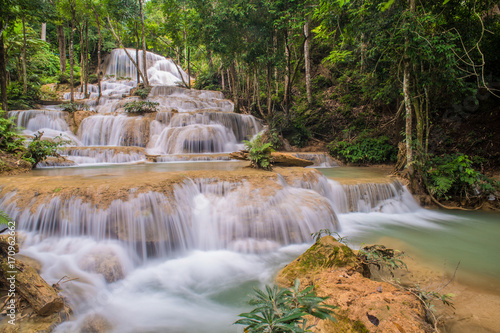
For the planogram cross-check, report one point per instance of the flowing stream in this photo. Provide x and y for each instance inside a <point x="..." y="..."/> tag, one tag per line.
<point x="178" y="246"/>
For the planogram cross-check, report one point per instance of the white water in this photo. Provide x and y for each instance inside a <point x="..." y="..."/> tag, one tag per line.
<point x="189" y="122"/>
<point x="186" y="262"/>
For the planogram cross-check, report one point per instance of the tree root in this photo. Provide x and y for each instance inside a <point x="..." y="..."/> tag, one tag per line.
<point x="454" y="208"/>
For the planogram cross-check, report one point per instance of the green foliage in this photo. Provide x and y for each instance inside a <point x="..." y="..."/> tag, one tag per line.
<point x="10" y="141"/>
<point x="382" y="257"/>
<point x="259" y="153"/>
<point x="141" y="107"/>
<point x="63" y="78"/>
<point x="72" y="107"/>
<point x="4" y="218"/>
<point x="207" y="80"/>
<point x="454" y="176"/>
<point x="143" y="92"/>
<point x="18" y="100"/>
<point x="281" y="310"/>
<point x="364" y="150"/>
<point x="93" y="79"/>
<point x="327" y="232"/>
<point x="38" y="150"/>
<point x="428" y="297"/>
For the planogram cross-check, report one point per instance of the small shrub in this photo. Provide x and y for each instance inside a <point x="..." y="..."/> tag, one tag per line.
<point x="38" y="150"/>
<point x="143" y="93"/>
<point x="141" y="107"/>
<point x="364" y="150"/>
<point x="454" y="176"/>
<point x="72" y="107"/>
<point x="18" y="100"/>
<point x="283" y="310"/>
<point x="93" y="79"/>
<point x="63" y="78"/>
<point x="259" y="153"/>
<point x="5" y="218"/>
<point x="10" y="141"/>
<point x="382" y="257"/>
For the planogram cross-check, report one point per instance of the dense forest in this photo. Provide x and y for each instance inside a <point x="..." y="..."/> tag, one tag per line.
<point x="405" y="82"/>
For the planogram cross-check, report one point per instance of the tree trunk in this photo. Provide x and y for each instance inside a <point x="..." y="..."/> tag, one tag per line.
<point x="98" y="52"/>
<point x="43" y="35"/>
<point x="71" y="49"/>
<point x="62" y="48"/>
<point x="86" y="58"/>
<point x="124" y="49"/>
<point x="144" y="55"/>
<point x="234" y="80"/>
<point x="222" y="76"/>
<point x="137" y="49"/>
<point x="307" y="59"/>
<point x="286" y="97"/>
<point x="3" y="74"/>
<point x="408" y="106"/>
<point x="25" y="74"/>
<point x="406" y="92"/>
<point x="269" y="89"/>
<point x="189" y="66"/>
<point x="210" y="61"/>
<point x="82" y="59"/>
<point x="257" y="94"/>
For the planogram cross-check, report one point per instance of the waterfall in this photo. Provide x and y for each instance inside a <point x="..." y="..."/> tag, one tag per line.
<point x="114" y="131"/>
<point x="96" y="155"/>
<point x="161" y="71"/>
<point x="36" y="120"/>
<point x="51" y="122"/>
<point x="202" y="214"/>
<point x="204" y="132"/>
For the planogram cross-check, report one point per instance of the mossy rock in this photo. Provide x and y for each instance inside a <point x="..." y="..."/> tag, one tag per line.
<point x="325" y="253"/>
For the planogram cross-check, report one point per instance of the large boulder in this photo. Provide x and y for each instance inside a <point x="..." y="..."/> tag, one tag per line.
<point x="364" y="305"/>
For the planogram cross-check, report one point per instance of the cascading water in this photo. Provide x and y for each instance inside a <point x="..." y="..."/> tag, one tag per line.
<point x="51" y="122"/>
<point x="188" y="122"/>
<point x="183" y="246"/>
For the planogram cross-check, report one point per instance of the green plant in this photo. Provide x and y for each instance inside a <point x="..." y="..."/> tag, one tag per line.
<point x="454" y="176"/>
<point x="141" y="107"/>
<point x="63" y="78"/>
<point x="427" y="298"/>
<point x="10" y="141"/>
<point x="364" y="150"/>
<point x="4" y="218"/>
<point x="38" y="150"/>
<point x="327" y="232"/>
<point x="72" y="107"/>
<point x="93" y="78"/>
<point x="382" y="257"/>
<point x="259" y="153"/>
<point x="18" y="100"/>
<point x="142" y="92"/>
<point x="282" y="310"/>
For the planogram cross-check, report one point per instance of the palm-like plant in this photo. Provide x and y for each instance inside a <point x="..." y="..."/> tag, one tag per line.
<point x="281" y="310"/>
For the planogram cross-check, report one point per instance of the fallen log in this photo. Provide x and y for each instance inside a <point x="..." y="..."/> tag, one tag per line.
<point x="277" y="159"/>
<point x="24" y="280"/>
<point x="29" y="284"/>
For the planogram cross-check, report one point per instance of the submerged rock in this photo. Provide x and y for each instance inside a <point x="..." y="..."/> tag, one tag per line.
<point x="95" y="323"/>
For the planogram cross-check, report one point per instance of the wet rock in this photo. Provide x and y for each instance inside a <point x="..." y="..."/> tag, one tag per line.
<point x="105" y="263"/>
<point x="95" y="323"/>
<point x="364" y="305"/>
